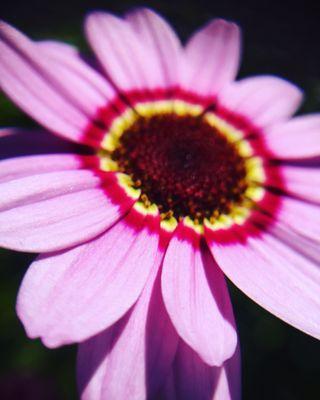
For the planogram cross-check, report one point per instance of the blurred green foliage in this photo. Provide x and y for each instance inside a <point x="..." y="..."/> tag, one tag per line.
<point x="279" y="362"/>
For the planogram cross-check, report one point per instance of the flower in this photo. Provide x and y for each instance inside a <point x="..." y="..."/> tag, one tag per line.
<point x="190" y="175"/>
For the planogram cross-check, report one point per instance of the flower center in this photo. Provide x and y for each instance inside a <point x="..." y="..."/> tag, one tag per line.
<point x="182" y="164"/>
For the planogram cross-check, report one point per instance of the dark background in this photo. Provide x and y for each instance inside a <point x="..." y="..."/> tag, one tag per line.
<point x="281" y="38"/>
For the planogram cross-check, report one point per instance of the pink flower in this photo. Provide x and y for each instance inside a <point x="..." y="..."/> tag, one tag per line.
<point x="190" y="175"/>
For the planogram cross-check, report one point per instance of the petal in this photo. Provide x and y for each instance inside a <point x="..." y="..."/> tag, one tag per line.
<point x="137" y="353"/>
<point x="302" y="244"/>
<point x="85" y="86"/>
<point x="229" y="383"/>
<point x="19" y="142"/>
<point x="276" y="276"/>
<point x="297" y="138"/>
<point x="56" y="210"/>
<point x="264" y="100"/>
<point x="197" y="299"/>
<point x="140" y="52"/>
<point x="91" y="360"/>
<point x="301" y="216"/>
<point x="196" y="380"/>
<point x="45" y="186"/>
<point x="303" y="182"/>
<point x="162" y="47"/>
<point x="46" y="89"/>
<point x="70" y="296"/>
<point x="212" y="57"/>
<point x="20" y="167"/>
<point x="59" y="49"/>
<point x="146" y="347"/>
<point x="117" y="48"/>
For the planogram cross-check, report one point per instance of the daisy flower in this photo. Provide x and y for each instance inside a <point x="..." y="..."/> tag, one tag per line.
<point x="189" y="176"/>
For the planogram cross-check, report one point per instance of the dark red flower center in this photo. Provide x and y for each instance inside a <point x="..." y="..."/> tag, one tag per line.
<point x="182" y="164"/>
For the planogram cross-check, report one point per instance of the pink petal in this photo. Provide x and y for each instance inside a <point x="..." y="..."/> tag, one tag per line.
<point x="19" y="142"/>
<point x="25" y="84"/>
<point x="140" y="52"/>
<point x="56" y="210"/>
<point x="276" y="276"/>
<point x="302" y="244"/>
<point x="135" y="356"/>
<point x="197" y="299"/>
<point x="264" y="100"/>
<point x="301" y="216"/>
<point x="297" y="138"/>
<point x="34" y="188"/>
<point x="303" y="182"/>
<point x="59" y="50"/>
<point x="46" y="89"/>
<point x="212" y="57"/>
<point x="196" y="380"/>
<point x="161" y="45"/>
<point x="20" y="167"/>
<point x="152" y="341"/>
<point x="229" y="383"/>
<point x="117" y="48"/>
<point x="87" y="88"/>
<point x="91" y="360"/>
<point x="70" y="296"/>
